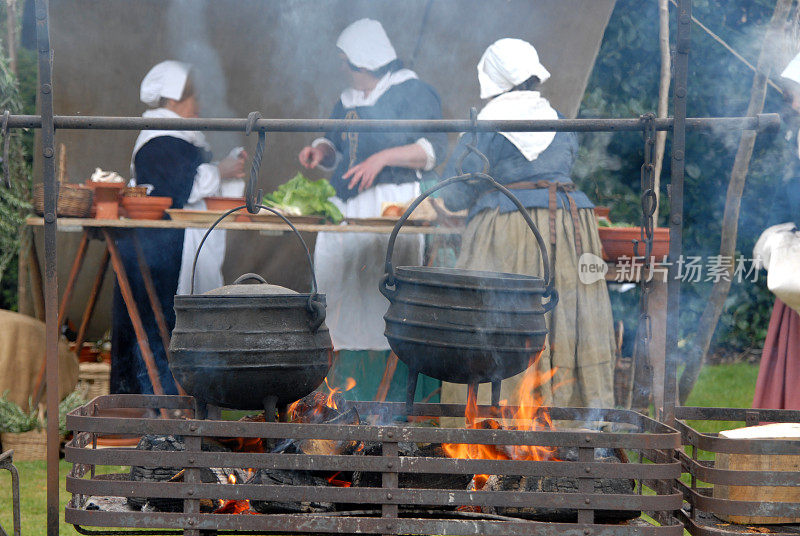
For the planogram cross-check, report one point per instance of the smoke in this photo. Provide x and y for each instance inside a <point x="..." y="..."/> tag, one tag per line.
<point x="188" y="41"/>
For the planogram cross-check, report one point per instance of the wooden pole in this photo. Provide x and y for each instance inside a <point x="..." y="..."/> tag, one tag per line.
<point x="663" y="96"/>
<point x="11" y="33"/>
<point x="701" y="341"/>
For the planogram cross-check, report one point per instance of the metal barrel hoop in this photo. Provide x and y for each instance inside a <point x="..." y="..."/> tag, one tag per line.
<point x="314" y="305"/>
<point x="389" y="279"/>
<point x="253" y="196"/>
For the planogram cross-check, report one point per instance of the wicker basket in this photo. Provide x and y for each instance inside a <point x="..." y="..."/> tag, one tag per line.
<point x="135" y="191"/>
<point x="95" y="379"/>
<point x="27" y="446"/>
<point x="73" y="201"/>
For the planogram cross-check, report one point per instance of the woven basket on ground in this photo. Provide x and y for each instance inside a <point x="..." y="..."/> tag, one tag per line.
<point x="73" y="201"/>
<point x="27" y="446"/>
<point x="95" y="379"/>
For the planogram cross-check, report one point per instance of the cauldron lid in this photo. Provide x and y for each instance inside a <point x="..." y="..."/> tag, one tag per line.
<point x="238" y="288"/>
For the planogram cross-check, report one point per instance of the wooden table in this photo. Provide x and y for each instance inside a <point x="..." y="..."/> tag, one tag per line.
<point x="105" y="229"/>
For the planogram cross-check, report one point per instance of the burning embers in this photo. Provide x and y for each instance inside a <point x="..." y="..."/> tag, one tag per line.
<point x="328" y="407"/>
<point x="529" y="415"/>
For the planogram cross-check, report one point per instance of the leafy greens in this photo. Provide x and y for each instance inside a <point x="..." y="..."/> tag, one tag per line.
<point x="301" y="196"/>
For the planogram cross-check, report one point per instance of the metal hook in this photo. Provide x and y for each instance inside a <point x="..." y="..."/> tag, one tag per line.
<point x="6" y="139"/>
<point x="473" y="147"/>
<point x="253" y="197"/>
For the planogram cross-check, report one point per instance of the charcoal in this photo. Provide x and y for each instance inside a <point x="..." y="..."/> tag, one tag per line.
<point x="620" y="486"/>
<point x="412" y="480"/>
<point x="163" y="474"/>
<point x="279" y="477"/>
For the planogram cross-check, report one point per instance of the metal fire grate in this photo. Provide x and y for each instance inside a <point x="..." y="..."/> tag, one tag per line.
<point x="707" y="514"/>
<point x="390" y="508"/>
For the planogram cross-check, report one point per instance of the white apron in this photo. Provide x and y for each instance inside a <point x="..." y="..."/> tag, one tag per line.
<point x="349" y="267"/>
<point x="206" y="183"/>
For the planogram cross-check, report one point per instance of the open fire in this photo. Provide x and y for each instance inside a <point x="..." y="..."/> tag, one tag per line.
<point x="530" y="414"/>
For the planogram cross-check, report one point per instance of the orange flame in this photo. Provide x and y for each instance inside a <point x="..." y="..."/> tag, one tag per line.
<point x="333" y="481"/>
<point x="528" y="415"/>
<point x="234" y="506"/>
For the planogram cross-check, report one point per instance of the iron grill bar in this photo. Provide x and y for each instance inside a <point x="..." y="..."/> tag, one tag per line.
<point x="310" y="524"/>
<point x="761" y="122"/>
<point x="376" y="464"/>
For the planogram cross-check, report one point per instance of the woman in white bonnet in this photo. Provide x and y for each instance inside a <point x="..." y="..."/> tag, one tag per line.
<point x="174" y="164"/>
<point x="536" y="167"/>
<point x="368" y="168"/>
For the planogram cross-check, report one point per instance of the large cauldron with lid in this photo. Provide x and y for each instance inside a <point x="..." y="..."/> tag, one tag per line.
<point x="250" y="346"/>
<point x="466" y="326"/>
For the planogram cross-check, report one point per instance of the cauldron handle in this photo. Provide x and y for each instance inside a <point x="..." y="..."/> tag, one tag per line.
<point x="314" y="306"/>
<point x="388" y="279"/>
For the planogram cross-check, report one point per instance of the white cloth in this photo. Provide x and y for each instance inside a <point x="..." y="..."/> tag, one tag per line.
<point x="522" y="105"/>
<point x="366" y="44"/>
<point x="778" y="250"/>
<point x="207" y="183"/>
<point x="167" y="79"/>
<point x="792" y="71"/>
<point x="352" y="98"/>
<point x="508" y="63"/>
<point x="349" y="267"/>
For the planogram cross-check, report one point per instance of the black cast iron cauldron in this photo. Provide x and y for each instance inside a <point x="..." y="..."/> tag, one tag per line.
<point x="465" y="326"/>
<point x="250" y="346"/>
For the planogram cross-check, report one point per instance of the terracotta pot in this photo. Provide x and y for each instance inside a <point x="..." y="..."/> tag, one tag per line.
<point x="226" y="203"/>
<point x="602" y="212"/>
<point x="146" y="208"/>
<point x="106" y="199"/>
<point x="619" y="242"/>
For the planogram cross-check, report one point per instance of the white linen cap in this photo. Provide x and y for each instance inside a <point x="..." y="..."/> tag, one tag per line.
<point x="167" y="79"/>
<point x="792" y="71"/>
<point x="366" y="44"/>
<point x="507" y="63"/>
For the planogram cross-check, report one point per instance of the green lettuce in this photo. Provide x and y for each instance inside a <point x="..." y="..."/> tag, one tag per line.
<point x="303" y="197"/>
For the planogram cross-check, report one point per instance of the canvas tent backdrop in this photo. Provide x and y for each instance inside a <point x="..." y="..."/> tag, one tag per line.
<point x="278" y="57"/>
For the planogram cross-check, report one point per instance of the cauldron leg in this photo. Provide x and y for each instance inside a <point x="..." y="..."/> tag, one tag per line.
<point x="496" y="394"/>
<point x="270" y="407"/>
<point x="411" y="390"/>
<point x="214" y="413"/>
<point x="200" y="410"/>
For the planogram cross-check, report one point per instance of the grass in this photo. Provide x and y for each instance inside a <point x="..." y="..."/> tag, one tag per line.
<point x="718" y="386"/>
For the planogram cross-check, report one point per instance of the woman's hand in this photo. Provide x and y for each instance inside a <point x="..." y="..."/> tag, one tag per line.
<point x="311" y="157"/>
<point x="233" y="168"/>
<point x="363" y="174"/>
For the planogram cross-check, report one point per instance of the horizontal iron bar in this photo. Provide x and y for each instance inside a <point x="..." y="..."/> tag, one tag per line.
<point x="428" y="497"/>
<point x="730" y="477"/>
<point x="718" y="506"/>
<point x="760" y="122"/>
<point x="309" y="524"/>
<point x="736" y="414"/>
<point x="713" y="443"/>
<point x="403" y="464"/>
<point x="392" y="434"/>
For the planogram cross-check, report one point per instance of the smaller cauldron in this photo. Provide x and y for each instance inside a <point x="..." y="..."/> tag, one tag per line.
<point x="250" y="346"/>
<point x="466" y="326"/>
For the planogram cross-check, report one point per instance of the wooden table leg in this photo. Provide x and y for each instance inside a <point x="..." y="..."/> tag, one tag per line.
<point x="36" y="280"/>
<point x="80" y="255"/>
<point x="89" y="311"/>
<point x="155" y="304"/>
<point x="133" y="312"/>
<point x="152" y="295"/>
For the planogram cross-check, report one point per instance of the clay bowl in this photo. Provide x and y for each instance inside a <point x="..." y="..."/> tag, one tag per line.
<point x="226" y="203"/>
<point x="619" y="242"/>
<point x="146" y="208"/>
